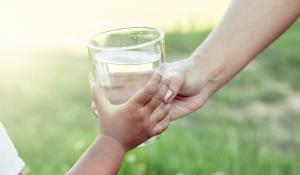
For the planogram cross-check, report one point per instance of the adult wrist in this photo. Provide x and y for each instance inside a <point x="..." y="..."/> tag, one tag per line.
<point x="209" y="64"/>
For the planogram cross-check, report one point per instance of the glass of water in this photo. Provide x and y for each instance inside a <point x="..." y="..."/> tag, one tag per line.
<point x="125" y="59"/>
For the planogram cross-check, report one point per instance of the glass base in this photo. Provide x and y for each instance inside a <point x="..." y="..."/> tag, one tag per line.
<point x="150" y="141"/>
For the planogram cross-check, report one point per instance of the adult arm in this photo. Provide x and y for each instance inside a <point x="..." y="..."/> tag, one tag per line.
<point x="247" y="28"/>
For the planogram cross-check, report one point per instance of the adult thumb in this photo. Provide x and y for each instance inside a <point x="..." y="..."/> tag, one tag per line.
<point x="176" y="79"/>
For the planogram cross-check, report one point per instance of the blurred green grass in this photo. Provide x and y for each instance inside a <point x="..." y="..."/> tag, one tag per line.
<point x="46" y="110"/>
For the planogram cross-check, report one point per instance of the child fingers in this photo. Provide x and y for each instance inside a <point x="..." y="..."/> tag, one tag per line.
<point x="161" y="113"/>
<point x="147" y="92"/>
<point x="98" y="96"/>
<point x="158" y="97"/>
<point x="161" y="126"/>
<point x="94" y="110"/>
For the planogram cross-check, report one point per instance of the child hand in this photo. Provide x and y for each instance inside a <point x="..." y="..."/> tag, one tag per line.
<point x="143" y="116"/>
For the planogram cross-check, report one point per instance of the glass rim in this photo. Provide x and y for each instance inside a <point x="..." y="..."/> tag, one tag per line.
<point x="159" y="38"/>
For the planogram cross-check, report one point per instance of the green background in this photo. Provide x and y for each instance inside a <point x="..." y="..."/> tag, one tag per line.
<point x="249" y="127"/>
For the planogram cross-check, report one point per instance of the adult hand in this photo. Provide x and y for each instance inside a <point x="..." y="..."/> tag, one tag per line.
<point x="247" y="28"/>
<point x="190" y="86"/>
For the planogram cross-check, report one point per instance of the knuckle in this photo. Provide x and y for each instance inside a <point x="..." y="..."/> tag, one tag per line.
<point x="160" y="97"/>
<point x="145" y="111"/>
<point x="140" y="113"/>
<point x="157" y="77"/>
<point x="131" y="109"/>
<point x="174" y="75"/>
<point x="165" y="110"/>
<point x="155" y="102"/>
<point x="166" y="81"/>
<point x="148" y="91"/>
<point x="137" y="120"/>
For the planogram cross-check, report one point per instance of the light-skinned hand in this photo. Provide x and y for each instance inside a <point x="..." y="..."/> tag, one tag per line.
<point x="190" y="86"/>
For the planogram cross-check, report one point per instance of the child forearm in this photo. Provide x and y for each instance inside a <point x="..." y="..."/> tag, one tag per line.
<point x="124" y="127"/>
<point x="104" y="157"/>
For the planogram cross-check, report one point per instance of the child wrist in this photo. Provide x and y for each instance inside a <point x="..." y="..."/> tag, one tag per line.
<point x="115" y="142"/>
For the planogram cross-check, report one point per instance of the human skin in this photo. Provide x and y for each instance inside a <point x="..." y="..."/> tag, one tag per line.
<point x="124" y="126"/>
<point x="247" y="28"/>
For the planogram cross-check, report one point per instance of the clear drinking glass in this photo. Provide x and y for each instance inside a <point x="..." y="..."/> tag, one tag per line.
<point x="125" y="59"/>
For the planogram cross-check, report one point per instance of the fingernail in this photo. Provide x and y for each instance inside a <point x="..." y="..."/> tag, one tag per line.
<point x="168" y="95"/>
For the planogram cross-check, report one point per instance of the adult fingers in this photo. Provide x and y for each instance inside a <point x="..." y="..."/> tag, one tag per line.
<point x="176" y="78"/>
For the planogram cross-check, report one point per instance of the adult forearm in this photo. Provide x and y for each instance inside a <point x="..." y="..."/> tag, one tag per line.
<point x="104" y="157"/>
<point x="248" y="27"/>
